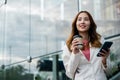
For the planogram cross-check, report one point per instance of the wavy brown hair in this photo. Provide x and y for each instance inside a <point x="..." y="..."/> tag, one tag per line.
<point x="94" y="36"/>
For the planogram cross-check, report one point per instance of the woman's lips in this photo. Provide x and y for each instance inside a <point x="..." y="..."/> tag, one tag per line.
<point x="82" y="26"/>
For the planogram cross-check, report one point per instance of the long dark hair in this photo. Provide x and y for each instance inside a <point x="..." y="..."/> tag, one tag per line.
<point x="94" y="36"/>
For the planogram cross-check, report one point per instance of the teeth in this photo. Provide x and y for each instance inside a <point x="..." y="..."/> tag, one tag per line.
<point x="82" y="26"/>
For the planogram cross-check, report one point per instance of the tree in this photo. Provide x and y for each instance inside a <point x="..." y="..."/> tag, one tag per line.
<point x="37" y="77"/>
<point x="15" y="73"/>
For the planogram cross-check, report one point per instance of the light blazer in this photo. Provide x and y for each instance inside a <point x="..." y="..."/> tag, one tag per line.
<point x="77" y="66"/>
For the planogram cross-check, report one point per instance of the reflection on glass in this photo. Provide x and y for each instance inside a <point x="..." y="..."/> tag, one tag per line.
<point x="50" y="25"/>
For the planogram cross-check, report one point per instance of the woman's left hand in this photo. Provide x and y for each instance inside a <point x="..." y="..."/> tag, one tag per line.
<point x="105" y="53"/>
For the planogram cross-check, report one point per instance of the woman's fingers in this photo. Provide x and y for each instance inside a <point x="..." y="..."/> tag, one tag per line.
<point x="105" y="53"/>
<point x="74" y="46"/>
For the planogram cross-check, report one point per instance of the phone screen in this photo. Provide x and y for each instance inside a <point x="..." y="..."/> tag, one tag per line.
<point x="105" y="46"/>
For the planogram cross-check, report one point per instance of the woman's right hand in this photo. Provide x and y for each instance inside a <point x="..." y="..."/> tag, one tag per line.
<point x="74" y="46"/>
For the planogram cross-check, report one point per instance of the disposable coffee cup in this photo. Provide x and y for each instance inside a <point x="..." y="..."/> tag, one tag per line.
<point x="80" y="44"/>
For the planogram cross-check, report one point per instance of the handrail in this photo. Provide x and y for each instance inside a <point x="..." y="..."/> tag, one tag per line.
<point x="115" y="77"/>
<point x="52" y="53"/>
<point x="113" y="37"/>
<point x="31" y="58"/>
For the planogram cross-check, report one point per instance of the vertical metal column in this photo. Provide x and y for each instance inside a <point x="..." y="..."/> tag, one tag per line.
<point x="55" y="67"/>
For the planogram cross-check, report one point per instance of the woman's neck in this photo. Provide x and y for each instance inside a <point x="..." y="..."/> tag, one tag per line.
<point x="85" y="36"/>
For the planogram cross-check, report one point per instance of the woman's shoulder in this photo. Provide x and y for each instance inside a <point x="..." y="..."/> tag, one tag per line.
<point x="102" y="39"/>
<point x="65" y="47"/>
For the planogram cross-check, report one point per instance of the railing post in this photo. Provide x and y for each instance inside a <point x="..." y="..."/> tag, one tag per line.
<point x="55" y="67"/>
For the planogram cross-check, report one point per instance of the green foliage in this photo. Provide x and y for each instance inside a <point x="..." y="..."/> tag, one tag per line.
<point x="15" y="73"/>
<point x="37" y="77"/>
<point x="112" y="57"/>
<point x="113" y="65"/>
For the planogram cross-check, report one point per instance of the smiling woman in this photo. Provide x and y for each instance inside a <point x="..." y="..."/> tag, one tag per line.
<point x="83" y="64"/>
<point x="83" y="22"/>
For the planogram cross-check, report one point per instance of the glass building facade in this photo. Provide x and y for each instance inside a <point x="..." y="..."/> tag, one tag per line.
<point x="30" y="29"/>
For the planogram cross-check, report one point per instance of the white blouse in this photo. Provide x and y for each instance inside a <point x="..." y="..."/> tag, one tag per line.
<point x="79" y="68"/>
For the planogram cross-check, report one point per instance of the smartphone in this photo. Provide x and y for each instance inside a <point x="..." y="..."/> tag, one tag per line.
<point x="105" y="46"/>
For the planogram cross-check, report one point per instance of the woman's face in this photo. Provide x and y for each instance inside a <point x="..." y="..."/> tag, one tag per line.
<point x="83" y="22"/>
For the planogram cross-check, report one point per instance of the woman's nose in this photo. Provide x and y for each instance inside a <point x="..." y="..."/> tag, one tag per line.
<point x="82" y="21"/>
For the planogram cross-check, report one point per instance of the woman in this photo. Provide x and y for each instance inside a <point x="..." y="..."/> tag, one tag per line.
<point x="83" y="64"/>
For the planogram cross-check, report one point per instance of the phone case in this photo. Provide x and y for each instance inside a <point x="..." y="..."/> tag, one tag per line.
<point x="105" y="46"/>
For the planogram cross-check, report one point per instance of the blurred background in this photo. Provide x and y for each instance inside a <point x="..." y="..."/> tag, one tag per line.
<point x="32" y="33"/>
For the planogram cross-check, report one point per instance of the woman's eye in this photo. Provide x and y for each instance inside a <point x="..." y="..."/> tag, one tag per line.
<point x="86" y="19"/>
<point x="79" y="19"/>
